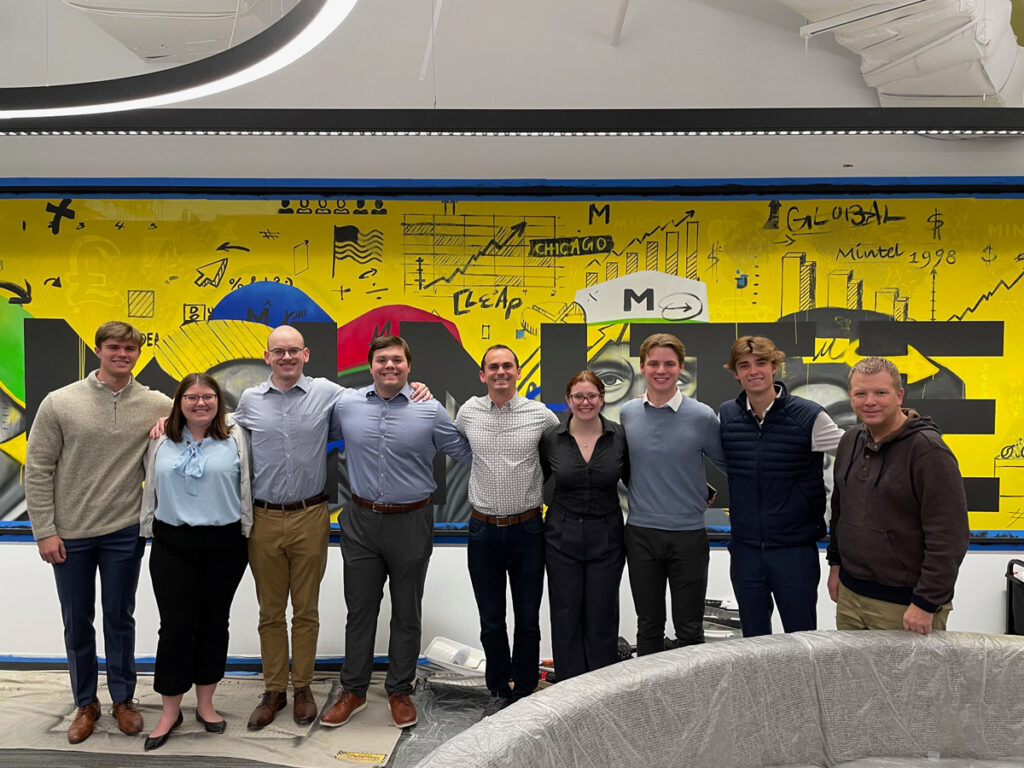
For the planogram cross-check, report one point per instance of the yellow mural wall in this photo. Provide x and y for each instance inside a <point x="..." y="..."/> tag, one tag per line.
<point x="203" y="278"/>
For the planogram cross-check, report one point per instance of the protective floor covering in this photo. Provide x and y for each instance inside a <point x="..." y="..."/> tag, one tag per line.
<point x="35" y="713"/>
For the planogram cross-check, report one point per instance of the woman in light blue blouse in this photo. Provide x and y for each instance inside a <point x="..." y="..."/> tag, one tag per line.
<point x="197" y="505"/>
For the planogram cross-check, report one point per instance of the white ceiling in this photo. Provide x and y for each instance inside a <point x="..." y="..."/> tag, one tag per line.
<point x="553" y="54"/>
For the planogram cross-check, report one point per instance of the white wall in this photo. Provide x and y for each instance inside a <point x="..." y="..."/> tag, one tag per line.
<point x="32" y="626"/>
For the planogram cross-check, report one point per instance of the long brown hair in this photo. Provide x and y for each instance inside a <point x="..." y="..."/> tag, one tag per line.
<point x="176" y="423"/>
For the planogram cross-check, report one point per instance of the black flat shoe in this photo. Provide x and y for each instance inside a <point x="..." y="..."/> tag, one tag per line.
<point x="217" y="727"/>
<point x="155" y="742"/>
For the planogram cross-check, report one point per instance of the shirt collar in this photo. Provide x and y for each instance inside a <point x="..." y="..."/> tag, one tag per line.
<point x="778" y="394"/>
<point x="511" y="404"/>
<point x="563" y="429"/>
<point x="674" y="403"/>
<point x="371" y="391"/>
<point x="302" y="383"/>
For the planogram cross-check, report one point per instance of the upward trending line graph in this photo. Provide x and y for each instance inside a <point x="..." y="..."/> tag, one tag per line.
<point x="448" y="253"/>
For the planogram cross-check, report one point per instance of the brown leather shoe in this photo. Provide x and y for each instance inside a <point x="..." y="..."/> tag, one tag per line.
<point x="84" y="722"/>
<point x="129" y="719"/>
<point x="403" y="711"/>
<point x="304" y="706"/>
<point x="264" y="714"/>
<point x="346" y="706"/>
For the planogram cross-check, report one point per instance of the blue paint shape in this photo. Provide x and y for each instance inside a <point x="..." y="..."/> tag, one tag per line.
<point x="272" y="304"/>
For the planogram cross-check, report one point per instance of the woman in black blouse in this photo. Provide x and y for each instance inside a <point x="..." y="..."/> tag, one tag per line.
<point x="584" y="553"/>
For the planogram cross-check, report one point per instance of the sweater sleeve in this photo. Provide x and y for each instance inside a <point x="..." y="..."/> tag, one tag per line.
<point x="943" y="503"/>
<point x="842" y="460"/>
<point x="45" y="442"/>
<point x="713" y="441"/>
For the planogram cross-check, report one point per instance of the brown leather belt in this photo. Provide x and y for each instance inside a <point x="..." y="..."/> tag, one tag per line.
<point x="291" y="506"/>
<point x="503" y="521"/>
<point x="389" y="509"/>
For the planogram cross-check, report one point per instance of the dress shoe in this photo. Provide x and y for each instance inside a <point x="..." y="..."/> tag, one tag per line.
<point x="304" y="706"/>
<point x="216" y="726"/>
<point x="265" y="712"/>
<point x="155" y="742"/>
<point x="346" y="706"/>
<point x="84" y="722"/>
<point x="403" y="711"/>
<point x="129" y="719"/>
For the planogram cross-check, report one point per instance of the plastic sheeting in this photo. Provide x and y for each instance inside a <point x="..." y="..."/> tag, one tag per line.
<point x="863" y="699"/>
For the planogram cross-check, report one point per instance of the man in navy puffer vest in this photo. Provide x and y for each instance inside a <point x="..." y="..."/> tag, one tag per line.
<point x="774" y="444"/>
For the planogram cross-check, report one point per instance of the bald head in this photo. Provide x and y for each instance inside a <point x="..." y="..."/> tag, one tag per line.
<point x="286" y="353"/>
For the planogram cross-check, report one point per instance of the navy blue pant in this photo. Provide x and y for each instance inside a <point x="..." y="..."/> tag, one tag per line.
<point x="118" y="556"/>
<point x="790" y="574"/>
<point x="584" y="556"/>
<point x="515" y="552"/>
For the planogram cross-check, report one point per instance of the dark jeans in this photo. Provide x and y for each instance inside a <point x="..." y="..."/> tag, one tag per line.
<point x="378" y="548"/>
<point x="680" y="558"/>
<point x="195" y="572"/>
<point x="118" y="557"/>
<point x="515" y="551"/>
<point x="584" y="555"/>
<point x="791" y="574"/>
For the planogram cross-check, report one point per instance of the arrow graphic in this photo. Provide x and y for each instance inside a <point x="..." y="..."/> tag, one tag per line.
<point x="229" y="247"/>
<point x="21" y="295"/>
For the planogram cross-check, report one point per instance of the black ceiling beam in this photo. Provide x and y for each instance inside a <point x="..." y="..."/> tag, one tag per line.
<point x="787" y="120"/>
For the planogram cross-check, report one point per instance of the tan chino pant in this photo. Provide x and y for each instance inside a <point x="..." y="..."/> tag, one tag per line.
<point x="288" y="556"/>
<point x="856" y="612"/>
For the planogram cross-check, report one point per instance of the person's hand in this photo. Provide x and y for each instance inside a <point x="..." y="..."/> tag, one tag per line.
<point x="833" y="583"/>
<point x="51" y="549"/>
<point x="420" y="392"/>
<point x="917" y="620"/>
<point x="158" y="428"/>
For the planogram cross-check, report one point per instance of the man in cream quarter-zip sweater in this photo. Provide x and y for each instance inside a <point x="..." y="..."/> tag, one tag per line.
<point x="83" y="489"/>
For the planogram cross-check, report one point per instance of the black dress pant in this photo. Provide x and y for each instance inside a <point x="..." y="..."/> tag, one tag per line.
<point x="680" y="559"/>
<point x="195" y="572"/>
<point x="584" y="555"/>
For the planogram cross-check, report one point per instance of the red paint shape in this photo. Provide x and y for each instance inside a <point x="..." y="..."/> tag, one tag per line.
<point x="354" y="337"/>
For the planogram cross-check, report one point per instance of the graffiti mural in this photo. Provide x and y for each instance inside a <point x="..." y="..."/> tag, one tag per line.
<point x="934" y="283"/>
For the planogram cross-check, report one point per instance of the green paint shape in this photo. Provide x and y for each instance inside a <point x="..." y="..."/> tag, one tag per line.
<point x="12" y="348"/>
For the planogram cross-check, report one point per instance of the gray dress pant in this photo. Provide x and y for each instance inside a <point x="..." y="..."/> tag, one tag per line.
<point x="377" y="547"/>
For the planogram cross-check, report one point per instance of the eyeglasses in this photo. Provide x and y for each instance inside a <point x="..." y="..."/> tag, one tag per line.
<point x="580" y="398"/>
<point x="291" y="352"/>
<point x="193" y="399"/>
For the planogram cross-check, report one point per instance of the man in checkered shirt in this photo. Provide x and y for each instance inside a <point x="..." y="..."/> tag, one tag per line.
<point x="506" y="530"/>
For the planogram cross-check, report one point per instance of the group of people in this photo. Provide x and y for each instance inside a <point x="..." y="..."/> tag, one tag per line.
<point x="223" y="491"/>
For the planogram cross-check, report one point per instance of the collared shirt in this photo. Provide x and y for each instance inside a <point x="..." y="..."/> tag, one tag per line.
<point x="585" y="487"/>
<point x="825" y="434"/>
<point x="289" y="437"/>
<point x="506" y="477"/>
<point x="212" y="498"/>
<point x="674" y="403"/>
<point x="390" y="444"/>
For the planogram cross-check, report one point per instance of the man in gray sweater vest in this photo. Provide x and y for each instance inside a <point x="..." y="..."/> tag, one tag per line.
<point x="83" y="488"/>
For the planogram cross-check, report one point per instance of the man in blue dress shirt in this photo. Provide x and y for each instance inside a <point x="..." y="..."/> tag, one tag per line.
<point x="387" y="528"/>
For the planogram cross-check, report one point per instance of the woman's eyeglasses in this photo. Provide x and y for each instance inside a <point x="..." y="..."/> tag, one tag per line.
<point x="193" y="399"/>
<point x="578" y="397"/>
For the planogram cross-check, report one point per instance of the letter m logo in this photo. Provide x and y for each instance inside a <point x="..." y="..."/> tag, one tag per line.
<point x="605" y="211"/>
<point x="630" y="297"/>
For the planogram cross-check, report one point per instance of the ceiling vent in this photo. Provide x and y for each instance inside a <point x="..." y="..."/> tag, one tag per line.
<point x="932" y="53"/>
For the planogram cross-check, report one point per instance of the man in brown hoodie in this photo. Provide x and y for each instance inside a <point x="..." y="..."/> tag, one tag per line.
<point x="899" y="527"/>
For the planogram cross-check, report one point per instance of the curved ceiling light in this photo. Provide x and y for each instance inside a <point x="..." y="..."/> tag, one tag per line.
<point x="295" y="35"/>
